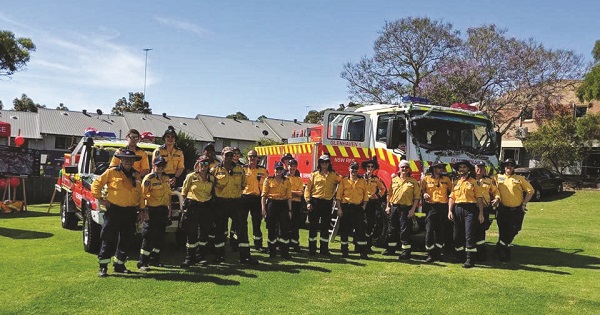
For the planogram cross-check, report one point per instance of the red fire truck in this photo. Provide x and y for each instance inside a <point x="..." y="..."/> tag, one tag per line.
<point x="413" y="130"/>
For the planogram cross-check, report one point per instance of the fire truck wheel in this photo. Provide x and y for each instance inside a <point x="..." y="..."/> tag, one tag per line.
<point x="379" y="237"/>
<point x="68" y="219"/>
<point x="91" y="234"/>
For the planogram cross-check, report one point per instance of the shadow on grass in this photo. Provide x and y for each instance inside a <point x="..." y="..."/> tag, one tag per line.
<point x="27" y="214"/>
<point x="555" y="197"/>
<point x="23" y="234"/>
<point x="541" y="259"/>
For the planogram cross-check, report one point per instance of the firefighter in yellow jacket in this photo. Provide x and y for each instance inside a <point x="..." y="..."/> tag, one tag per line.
<point x="436" y="189"/>
<point x="403" y="198"/>
<point x="197" y="191"/>
<point x="230" y="180"/>
<point x="276" y="204"/>
<point x="123" y="200"/>
<point x="352" y="197"/>
<point x="319" y="194"/>
<point x="515" y="193"/>
<point x="489" y="189"/>
<point x="157" y="194"/>
<point x="174" y="156"/>
<point x="465" y="208"/>
<point x="142" y="166"/>
<point x="251" y="195"/>
<point x="376" y="191"/>
<point x="298" y="217"/>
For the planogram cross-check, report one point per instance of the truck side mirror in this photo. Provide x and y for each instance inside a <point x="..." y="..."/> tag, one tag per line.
<point x="393" y="134"/>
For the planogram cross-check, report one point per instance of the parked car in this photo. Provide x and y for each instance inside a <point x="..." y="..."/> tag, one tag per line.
<point x="543" y="181"/>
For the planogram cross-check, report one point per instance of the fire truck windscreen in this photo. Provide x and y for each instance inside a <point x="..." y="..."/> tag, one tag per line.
<point x="445" y="131"/>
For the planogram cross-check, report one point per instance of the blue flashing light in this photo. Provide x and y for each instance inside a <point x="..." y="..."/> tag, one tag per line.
<point x="414" y="99"/>
<point x="106" y="134"/>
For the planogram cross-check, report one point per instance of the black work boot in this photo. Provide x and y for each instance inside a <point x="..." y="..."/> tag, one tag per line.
<point x="201" y="255"/>
<point x="155" y="259"/>
<point x="404" y="255"/>
<point x="249" y="260"/>
<point x="459" y="256"/>
<point x="344" y="249"/>
<point x="120" y="268"/>
<point x="389" y="252"/>
<point x="430" y="256"/>
<point x="103" y="271"/>
<point x="325" y="249"/>
<point x="190" y="258"/>
<point x="312" y="248"/>
<point x="470" y="262"/>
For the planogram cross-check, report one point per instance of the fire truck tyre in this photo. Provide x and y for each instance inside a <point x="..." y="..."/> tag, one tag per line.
<point x="180" y="237"/>
<point x="379" y="237"/>
<point x="68" y="219"/>
<point x="91" y="234"/>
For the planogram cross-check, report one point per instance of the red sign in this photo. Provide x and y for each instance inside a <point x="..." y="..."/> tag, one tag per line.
<point x="4" y="129"/>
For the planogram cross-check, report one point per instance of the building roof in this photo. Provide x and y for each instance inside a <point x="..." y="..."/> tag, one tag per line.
<point x="27" y="122"/>
<point x="284" y="128"/>
<point x="72" y="123"/>
<point x="157" y="124"/>
<point x="228" y="128"/>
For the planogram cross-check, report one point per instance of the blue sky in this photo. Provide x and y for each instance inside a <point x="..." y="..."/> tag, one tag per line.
<point x="273" y="58"/>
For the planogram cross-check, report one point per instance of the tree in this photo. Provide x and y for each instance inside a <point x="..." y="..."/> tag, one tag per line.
<point x="555" y="144"/>
<point x="62" y="106"/>
<point x="26" y="104"/>
<point x="238" y="116"/>
<point x="315" y="117"/>
<point x="135" y="104"/>
<point x="590" y="88"/>
<point x="406" y="52"/>
<point x="14" y="52"/>
<point x="262" y="118"/>
<point x="504" y="76"/>
<point x="564" y="140"/>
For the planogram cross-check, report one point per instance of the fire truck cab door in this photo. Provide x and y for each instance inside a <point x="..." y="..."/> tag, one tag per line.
<point x="348" y="129"/>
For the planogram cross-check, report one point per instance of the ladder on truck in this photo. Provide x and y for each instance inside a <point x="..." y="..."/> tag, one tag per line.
<point x="334" y="224"/>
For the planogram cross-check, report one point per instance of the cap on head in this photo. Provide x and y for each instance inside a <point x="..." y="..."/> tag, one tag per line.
<point x="324" y="157"/>
<point x="509" y="162"/>
<point x="480" y="164"/>
<point x="147" y="136"/>
<point x="367" y="162"/>
<point x="159" y="160"/>
<point x="236" y="150"/>
<point x="170" y="131"/>
<point x="209" y="146"/>
<point x="287" y="156"/>
<point x="226" y="150"/>
<point x="278" y="165"/>
<point x="354" y="165"/>
<point x="437" y="163"/>
<point x="457" y="164"/>
<point x="293" y="162"/>
<point x="403" y="163"/>
<point x="128" y="154"/>
<point x="203" y="158"/>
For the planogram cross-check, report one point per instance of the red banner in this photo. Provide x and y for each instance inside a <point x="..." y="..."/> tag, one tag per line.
<point x="4" y="129"/>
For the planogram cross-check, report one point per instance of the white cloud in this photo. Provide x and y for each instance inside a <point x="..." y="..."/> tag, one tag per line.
<point x="183" y="25"/>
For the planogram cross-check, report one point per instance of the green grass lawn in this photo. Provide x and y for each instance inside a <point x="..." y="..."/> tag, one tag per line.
<point x="555" y="270"/>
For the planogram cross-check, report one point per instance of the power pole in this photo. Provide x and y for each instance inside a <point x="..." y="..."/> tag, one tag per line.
<point x="145" y="71"/>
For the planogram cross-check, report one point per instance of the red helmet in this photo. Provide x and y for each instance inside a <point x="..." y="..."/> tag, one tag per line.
<point x="147" y="136"/>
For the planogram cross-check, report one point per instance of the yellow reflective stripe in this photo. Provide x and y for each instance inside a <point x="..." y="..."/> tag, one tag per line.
<point x="283" y="241"/>
<point x="344" y="243"/>
<point x="459" y="249"/>
<point x="480" y="242"/>
<point x="343" y="151"/>
<point x="156" y="250"/>
<point x="202" y="243"/>
<point x="471" y="250"/>
<point x="272" y="241"/>
<point x="294" y="242"/>
<point x="188" y="245"/>
<point x="331" y="150"/>
<point x="502" y="243"/>
<point x="394" y="244"/>
<point x="439" y="245"/>
<point x="429" y="247"/>
<point x="312" y="239"/>
<point x="220" y="245"/>
<point x="258" y="238"/>
<point x="324" y="240"/>
<point x="404" y="246"/>
<point x="242" y="245"/>
<point x="361" y="243"/>
<point x="104" y="261"/>
<point x="118" y="261"/>
<point x="144" y="252"/>
<point x="413" y="166"/>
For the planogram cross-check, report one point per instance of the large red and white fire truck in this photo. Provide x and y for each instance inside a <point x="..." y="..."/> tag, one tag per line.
<point x="90" y="158"/>
<point x="413" y="130"/>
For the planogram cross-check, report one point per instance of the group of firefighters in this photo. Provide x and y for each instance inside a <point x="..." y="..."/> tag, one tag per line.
<point x="457" y="211"/>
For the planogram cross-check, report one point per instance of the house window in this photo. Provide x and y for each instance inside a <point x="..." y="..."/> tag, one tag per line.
<point x="64" y="142"/>
<point x="527" y="114"/>
<point x="580" y="111"/>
